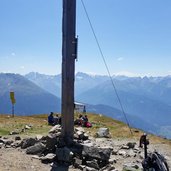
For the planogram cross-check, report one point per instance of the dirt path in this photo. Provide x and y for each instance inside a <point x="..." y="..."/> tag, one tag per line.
<point x="17" y="160"/>
<point x="12" y="159"/>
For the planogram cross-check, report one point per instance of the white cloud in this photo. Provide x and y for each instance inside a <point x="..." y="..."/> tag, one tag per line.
<point x="120" y="59"/>
<point x="13" y="54"/>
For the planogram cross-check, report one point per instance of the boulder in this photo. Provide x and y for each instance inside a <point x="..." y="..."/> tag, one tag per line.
<point x="28" y="127"/>
<point x="51" y="142"/>
<point x="96" y="153"/>
<point x="48" y="158"/>
<point x="14" y="132"/>
<point x="93" y="163"/>
<point x="77" y="162"/>
<point x="131" y="144"/>
<point x="38" y="148"/>
<point x="103" y="132"/>
<point x="28" y="142"/>
<point x="122" y="153"/>
<point x="79" y="129"/>
<point x="17" y="138"/>
<point x="55" y="129"/>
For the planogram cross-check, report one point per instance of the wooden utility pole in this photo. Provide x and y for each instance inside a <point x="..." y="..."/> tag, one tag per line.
<point x="68" y="67"/>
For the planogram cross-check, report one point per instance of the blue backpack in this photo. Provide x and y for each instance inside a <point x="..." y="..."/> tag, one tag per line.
<point x="155" y="162"/>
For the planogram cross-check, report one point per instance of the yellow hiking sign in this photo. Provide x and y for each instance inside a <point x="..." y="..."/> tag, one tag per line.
<point x="12" y="97"/>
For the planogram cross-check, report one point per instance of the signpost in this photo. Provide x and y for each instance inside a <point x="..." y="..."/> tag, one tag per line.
<point x="69" y="44"/>
<point x="13" y="101"/>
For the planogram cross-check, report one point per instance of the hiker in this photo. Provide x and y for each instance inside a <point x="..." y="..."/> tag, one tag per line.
<point x="84" y="109"/>
<point x="56" y="119"/>
<point x="143" y="140"/>
<point x="85" y="120"/>
<point x="51" y="119"/>
<point x="86" y="123"/>
<point x="79" y="120"/>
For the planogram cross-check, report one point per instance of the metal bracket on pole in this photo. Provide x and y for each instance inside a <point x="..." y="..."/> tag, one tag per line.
<point x="75" y="42"/>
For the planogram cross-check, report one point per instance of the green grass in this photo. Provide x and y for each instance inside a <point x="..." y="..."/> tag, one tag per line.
<point x="3" y="132"/>
<point x="39" y="122"/>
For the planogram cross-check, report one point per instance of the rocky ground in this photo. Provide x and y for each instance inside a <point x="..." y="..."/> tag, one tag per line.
<point x="124" y="153"/>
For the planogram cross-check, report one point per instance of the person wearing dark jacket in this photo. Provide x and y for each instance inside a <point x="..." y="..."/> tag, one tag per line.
<point x="51" y="119"/>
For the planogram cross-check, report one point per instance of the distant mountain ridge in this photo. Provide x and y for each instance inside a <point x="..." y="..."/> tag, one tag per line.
<point x="30" y="99"/>
<point x="145" y="98"/>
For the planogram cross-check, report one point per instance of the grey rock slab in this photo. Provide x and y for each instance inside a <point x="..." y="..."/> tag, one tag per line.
<point x="36" y="149"/>
<point x="55" y="129"/>
<point x="28" y="142"/>
<point x="96" y="153"/>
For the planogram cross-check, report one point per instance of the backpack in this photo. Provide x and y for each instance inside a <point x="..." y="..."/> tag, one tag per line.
<point x="88" y="124"/>
<point x="155" y="162"/>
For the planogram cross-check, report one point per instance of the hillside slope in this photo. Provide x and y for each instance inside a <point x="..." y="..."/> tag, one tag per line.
<point x="30" y="99"/>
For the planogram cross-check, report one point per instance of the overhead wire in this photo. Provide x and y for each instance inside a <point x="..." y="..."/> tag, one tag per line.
<point x="107" y="68"/>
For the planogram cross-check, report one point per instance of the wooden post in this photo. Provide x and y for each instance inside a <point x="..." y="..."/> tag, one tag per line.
<point x="68" y="68"/>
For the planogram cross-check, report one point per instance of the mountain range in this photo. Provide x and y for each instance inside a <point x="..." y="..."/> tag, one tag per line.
<point x="145" y="100"/>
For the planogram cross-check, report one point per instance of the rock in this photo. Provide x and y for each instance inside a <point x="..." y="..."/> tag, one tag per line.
<point x="115" y="152"/>
<point x="108" y="168"/>
<point x="131" y="153"/>
<point x="112" y="160"/>
<point x="2" y="141"/>
<point x="27" y="127"/>
<point x="77" y="162"/>
<point x="39" y="137"/>
<point x="7" y="146"/>
<point x="48" y="158"/>
<point x="130" y="167"/>
<point x="55" y="129"/>
<point x="122" y="153"/>
<point x="80" y="129"/>
<point x="28" y="142"/>
<point x="80" y="134"/>
<point x="14" y="132"/>
<point x="51" y="142"/>
<point x="8" y="142"/>
<point x="16" y="144"/>
<point x="36" y="149"/>
<point x="93" y="163"/>
<point x="125" y="147"/>
<point x="96" y="153"/>
<point x="1" y="145"/>
<point x="86" y="168"/>
<point x="103" y="132"/>
<point x="64" y="154"/>
<point x="131" y="144"/>
<point x="35" y="157"/>
<point x="17" y="138"/>
<point x="141" y="156"/>
<point x="85" y="136"/>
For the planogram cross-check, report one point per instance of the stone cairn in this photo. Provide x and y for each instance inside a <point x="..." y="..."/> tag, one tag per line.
<point x="80" y="153"/>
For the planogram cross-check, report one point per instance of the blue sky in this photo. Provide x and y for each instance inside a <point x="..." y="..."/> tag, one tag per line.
<point x="135" y="36"/>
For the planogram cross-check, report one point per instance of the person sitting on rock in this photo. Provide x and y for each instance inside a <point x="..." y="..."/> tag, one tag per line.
<point x="79" y="120"/>
<point x="56" y="119"/>
<point x="85" y="120"/>
<point x="51" y="119"/>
